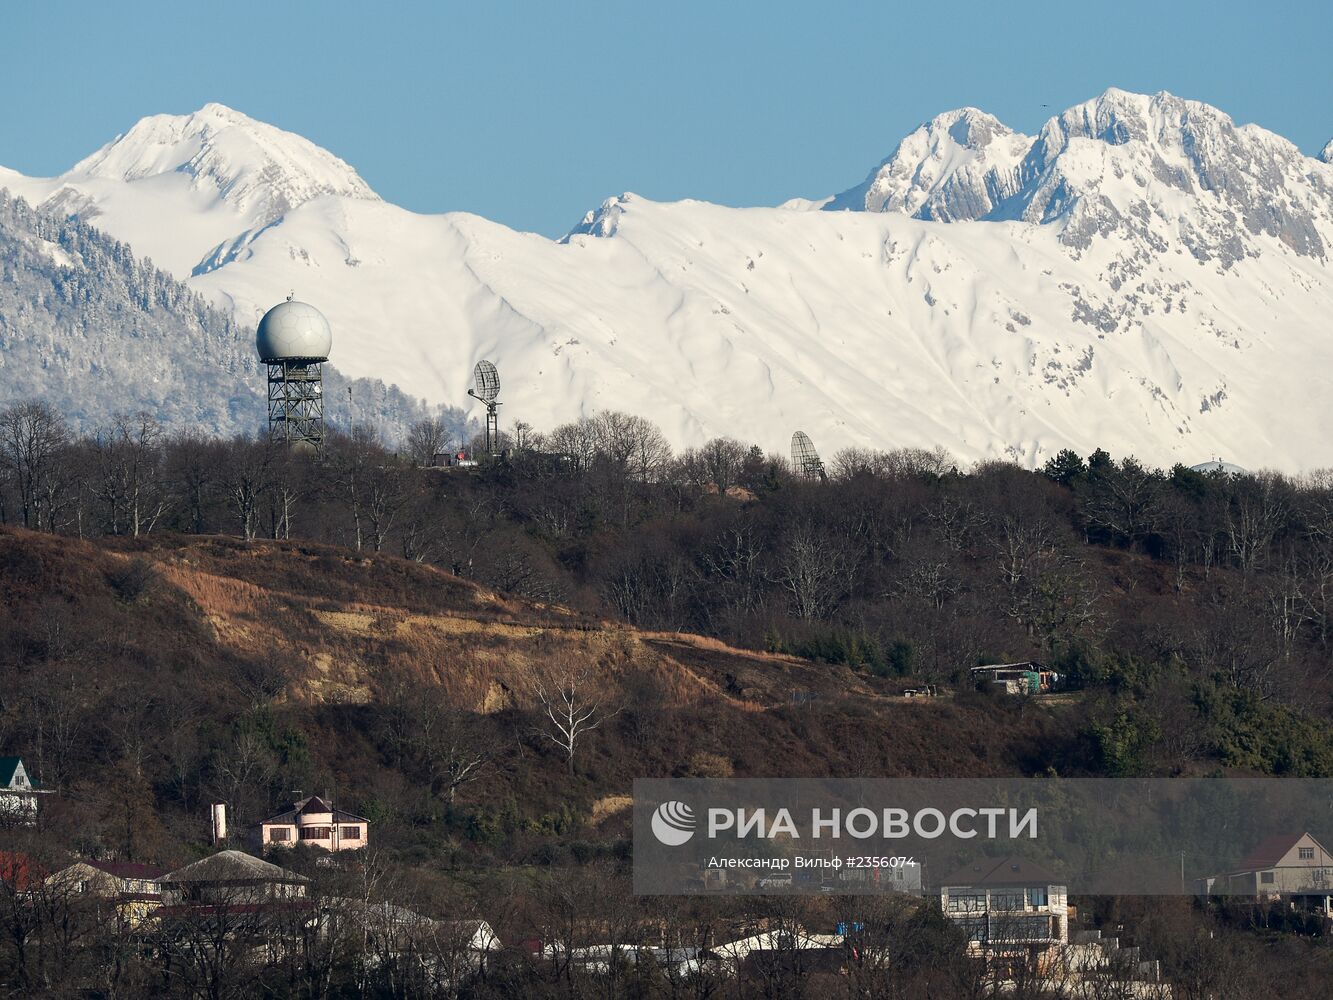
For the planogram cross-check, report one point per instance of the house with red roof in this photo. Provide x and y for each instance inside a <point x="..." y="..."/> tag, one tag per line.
<point x="19" y="873"/>
<point x="1293" y="866"/>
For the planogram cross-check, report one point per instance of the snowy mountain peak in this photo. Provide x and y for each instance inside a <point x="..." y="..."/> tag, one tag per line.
<point x="603" y="221"/>
<point x="254" y="168"/>
<point x="1326" y="154"/>
<point x="1143" y="275"/>
<point x="1155" y="170"/>
<point x="959" y="165"/>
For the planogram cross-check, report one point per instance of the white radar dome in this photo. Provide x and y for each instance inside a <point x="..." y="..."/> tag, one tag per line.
<point x="293" y="331"/>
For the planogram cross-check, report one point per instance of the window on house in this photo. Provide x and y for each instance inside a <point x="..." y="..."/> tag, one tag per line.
<point x="966" y="902"/>
<point x="350" y="833"/>
<point x="279" y="833"/>
<point x="1306" y="853"/>
<point x="1266" y="878"/>
<point x="316" y="833"/>
<point x="1037" y="896"/>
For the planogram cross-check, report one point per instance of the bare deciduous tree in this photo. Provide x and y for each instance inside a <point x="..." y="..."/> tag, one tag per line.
<point x="33" y="438"/>
<point x="130" y="481"/>
<point x="425" y="439"/>
<point x="572" y="701"/>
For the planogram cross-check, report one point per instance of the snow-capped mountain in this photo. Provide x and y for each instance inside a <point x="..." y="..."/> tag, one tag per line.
<point x="1143" y="275"/>
<point x="1145" y="171"/>
<point x="175" y="187"/>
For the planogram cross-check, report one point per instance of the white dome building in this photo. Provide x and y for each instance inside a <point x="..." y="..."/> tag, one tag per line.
<point x="1217" y="465"/>
<point x="293" y="331"/>
<point x="293" y="341"/>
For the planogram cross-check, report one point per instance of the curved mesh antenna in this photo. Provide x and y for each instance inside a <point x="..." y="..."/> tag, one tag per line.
<point x="488" y="381"/>
<point x="804" y="459"/>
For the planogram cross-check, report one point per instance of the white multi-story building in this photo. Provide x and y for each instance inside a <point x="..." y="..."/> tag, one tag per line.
<point x="1007" y="907"/>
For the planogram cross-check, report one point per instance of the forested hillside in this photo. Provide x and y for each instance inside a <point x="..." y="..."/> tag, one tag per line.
<point x="189" y="620"/>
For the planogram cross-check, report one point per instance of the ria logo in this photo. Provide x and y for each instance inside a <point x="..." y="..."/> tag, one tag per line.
<point x="673" y="823"/>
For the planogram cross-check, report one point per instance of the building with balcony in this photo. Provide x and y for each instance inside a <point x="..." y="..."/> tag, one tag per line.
<point x="316" y="823"/>
<point x="1008" y="908"/>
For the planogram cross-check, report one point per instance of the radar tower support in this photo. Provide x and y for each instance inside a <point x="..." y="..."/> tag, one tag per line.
<point x="486" y="388"/>
<point x="296" y="403"/>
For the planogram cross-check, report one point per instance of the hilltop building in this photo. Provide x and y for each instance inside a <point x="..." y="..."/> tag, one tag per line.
<point x="1028" y="677"/>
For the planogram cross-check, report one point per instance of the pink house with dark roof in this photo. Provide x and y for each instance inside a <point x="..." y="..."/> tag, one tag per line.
<point x="317" y="823"/>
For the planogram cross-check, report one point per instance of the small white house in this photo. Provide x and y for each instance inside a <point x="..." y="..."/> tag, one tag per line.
<point x="18" y="793"/>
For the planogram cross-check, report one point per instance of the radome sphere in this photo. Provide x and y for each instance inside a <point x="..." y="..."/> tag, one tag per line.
<point x="293" y="331"/>
<point x="1217" y="465"/>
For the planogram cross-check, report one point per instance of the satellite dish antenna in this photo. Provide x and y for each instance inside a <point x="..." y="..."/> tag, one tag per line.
<point x="804" y="458"/>
<point x="487" y="388"/>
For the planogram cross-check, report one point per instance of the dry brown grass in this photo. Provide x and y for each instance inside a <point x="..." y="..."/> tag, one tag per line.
<point x="610" y="805"/>
<point x="487" y="652"/>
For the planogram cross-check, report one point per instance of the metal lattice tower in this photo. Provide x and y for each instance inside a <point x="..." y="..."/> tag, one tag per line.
<point x="487" y="388"/>
<point x="293" y="341"/>
<point x="804" y="459"/>
<point x="296" y="403"/>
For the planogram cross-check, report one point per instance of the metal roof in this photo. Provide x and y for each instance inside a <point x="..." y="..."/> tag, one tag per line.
<point x="311" y="804"/>
<point x="231" y="866"/>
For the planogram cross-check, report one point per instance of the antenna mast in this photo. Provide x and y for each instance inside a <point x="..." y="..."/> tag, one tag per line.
<point x="804" y="459"/>
<point x="487" y="388"/>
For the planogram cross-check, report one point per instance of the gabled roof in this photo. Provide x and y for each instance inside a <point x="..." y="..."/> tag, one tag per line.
<point x="477" y="932"/>
<point x="1269" y="851"/>
<point x="311" y="804"/>
<point x="128" y="869"/>
<point x="231" y="866"/>
<point x="8" y="765"/>
<point x="1005" y="871"/>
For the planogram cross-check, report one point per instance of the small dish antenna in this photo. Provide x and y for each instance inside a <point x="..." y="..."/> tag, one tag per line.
<point x="486" y="389"/>
<point x="804" y="458"/>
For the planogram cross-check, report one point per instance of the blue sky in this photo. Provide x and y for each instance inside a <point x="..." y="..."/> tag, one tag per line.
<point x="532" y="112"/>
